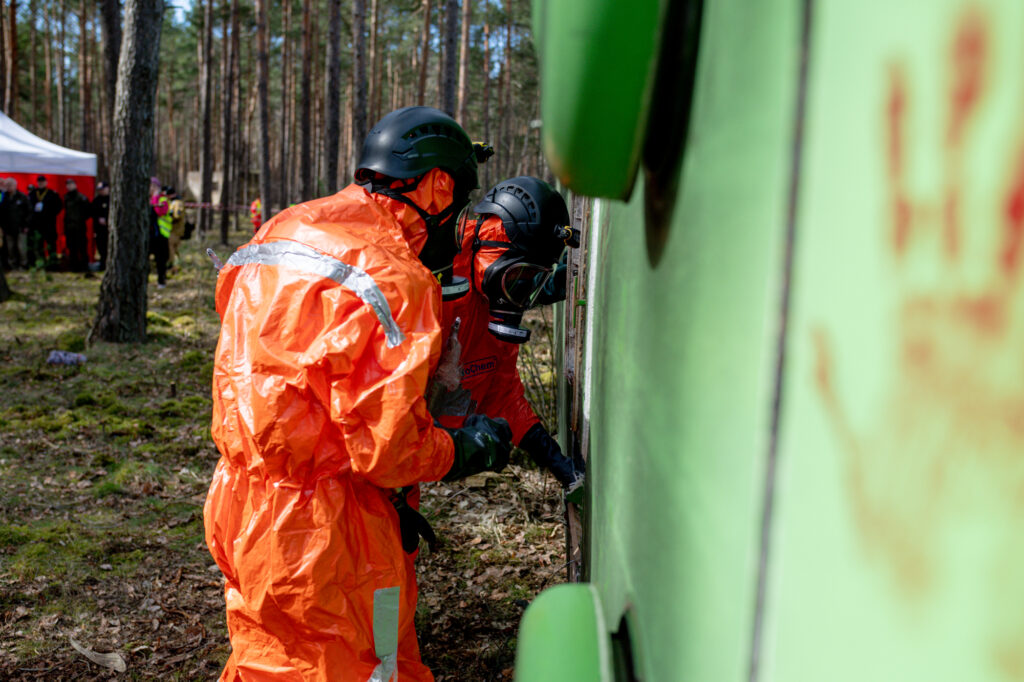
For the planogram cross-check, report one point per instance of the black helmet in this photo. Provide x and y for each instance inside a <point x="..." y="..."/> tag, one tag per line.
<point x="414" y="140"/>
<point x="533" y="214"/>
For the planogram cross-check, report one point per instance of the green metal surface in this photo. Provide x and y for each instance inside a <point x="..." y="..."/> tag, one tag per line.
<point x="682" y="363"/>
<point x="562" y="638"/>
<point x="899" y="537"/>
<point x="896" y="510"/>
<point x="597" y="66"/>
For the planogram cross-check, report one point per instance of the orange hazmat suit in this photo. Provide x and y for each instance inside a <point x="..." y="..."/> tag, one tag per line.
<point x="330" y="330"/>
<point x="489" y="371"/>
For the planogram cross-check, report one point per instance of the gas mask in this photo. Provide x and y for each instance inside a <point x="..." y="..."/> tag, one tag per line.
<point x="511" y="282"/>
<point x="511" y="285"/>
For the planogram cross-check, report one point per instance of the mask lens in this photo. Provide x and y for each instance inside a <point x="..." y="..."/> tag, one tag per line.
<point x="522" y="282"/>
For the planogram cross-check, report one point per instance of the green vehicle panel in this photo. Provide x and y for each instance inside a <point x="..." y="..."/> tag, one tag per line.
<point x="800" y="384"/>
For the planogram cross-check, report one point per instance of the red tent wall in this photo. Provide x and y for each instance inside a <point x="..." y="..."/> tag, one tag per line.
<point x="86" y="185"/>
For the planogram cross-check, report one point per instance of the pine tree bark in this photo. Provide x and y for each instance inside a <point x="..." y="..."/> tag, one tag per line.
<point x="333" y="93"/>
<point x="33" y="100"/>
<point x="5" y="75"/>
<point x="375" y="85"/>
<point x="12" y="63"/>
<point x="227" y="110"/>
<point x="451" y="29"/>
<point x="206" y="115"/>
<point x="358" y="78"/>
<point x="121" y="313"/>
<point x="305" y="125"/>
<point x="48" y="75"/>
<point x="62" y="120"/>
<point x="110" y="22"/>
<point x="263" y="109"/>
<point x="467" y="19"/>
<point x="421" y="89"/>
<point x="506" y="97"/>
<point x="284" y="140"/>
<point x="84" y="86"/>
<point x="486" y="113"/>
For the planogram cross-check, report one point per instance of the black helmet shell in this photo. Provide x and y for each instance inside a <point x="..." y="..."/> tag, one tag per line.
<point x="529" y="209"/>
<point x="414" y="140"/>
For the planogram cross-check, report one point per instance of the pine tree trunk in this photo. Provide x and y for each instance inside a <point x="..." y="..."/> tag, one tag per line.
<point x="48" y="77"/>
<point x="62" y="121"/>
<point x="506" y="99"/>
<point x="375" y="85"/>
<point x="451" y="30"/>
<point x="421" y="90"/>
<point x="439" y="78"/>
<point x="84" y="88"/>
<point x="263" y="109"/>
<point x="358" y="78"/>
<point x="5" y="74"/>
<point x="12" y="63"/>
<point x="305" y="126"/>
<point x="121" y="313"/>
<point x="333" y="92"/>
<point x="486" y="113"/>
<point x="110" y="21"/>
<point x="467" y="18"/>
<point x="32" y="96"/>
<point x="228" y="71"/>
<point x="286" y="73"/>
<point x="206" y="115"/>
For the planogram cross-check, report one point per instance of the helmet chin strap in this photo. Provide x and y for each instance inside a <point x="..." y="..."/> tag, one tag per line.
<point x="432" y="220"/>
<point x="452" y="287"/>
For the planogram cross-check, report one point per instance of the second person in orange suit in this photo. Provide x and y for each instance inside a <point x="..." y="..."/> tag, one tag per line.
<point x="511" y="255"/>
<point x="330" y="330"/>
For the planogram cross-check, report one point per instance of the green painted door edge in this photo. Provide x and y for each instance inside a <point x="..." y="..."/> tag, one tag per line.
<point x="597" y="73"/>
<point x="562" y="638"/>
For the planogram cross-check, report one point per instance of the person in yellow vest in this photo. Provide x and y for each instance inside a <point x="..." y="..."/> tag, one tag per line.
<point x="256" y="213"/>
<point x="177" y="213"/>
<point x="160" y="222"/>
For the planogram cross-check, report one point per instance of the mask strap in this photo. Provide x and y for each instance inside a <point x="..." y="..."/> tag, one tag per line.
<point x="398" y="194"/>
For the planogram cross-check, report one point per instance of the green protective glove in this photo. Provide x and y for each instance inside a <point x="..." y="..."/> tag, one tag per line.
<point x="482" y="444"/>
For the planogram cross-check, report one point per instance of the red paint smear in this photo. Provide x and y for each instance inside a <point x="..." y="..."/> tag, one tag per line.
<point x="985" y="313"/>
<point x="951" y="226"/>
<point x="901" y="213"/>
<point x="969" y="52"/>
<point x="897" y="104"/>
<point x="1014" y="214"/>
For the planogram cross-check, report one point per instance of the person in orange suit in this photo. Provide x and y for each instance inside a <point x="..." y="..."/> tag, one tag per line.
<point x="330" y="329"/>
<point x="511" y="254"/>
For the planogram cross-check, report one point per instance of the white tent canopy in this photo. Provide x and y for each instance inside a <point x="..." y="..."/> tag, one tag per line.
<point x="23" y="152"/>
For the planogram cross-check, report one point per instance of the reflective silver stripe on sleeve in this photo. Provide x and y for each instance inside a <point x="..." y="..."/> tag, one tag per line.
<point x="301" y="257"/>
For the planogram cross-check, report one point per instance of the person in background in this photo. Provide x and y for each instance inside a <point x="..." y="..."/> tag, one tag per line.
<point x="14" y="216"/>
<point x="45" y="205"/>
<point x="256" y="213"/>
<point x="77" y="211"/>
<point x="511" y="255"/>
<point x="330" y="328"/>
<point x="160" y="230"/>
<point x="177" y="213"/>
<point x="100" y="226"/>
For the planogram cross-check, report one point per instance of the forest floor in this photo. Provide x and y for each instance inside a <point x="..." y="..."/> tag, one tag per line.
<point x="104" y="469"/>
